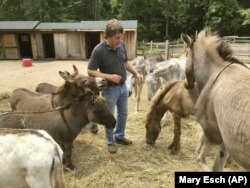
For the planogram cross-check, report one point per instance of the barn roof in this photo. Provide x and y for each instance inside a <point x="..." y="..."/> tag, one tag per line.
<point x="81" y="26"/>
<point x="18" y="25"/>
<point x="84" y="25"/>
<point x="100" y="25"/>
<point x="57" y="26"/>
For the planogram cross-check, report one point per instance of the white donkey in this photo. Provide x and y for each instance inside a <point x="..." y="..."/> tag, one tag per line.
<point x="134" y="83"/>
<point x="169" y="70"/>
<point x="30" y="158"/>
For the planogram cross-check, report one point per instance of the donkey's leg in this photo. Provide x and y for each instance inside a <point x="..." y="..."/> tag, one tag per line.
<point x="200" y="144"/>
<point x="138" y="98"/>
<point x="136" y="95"/>
<point x="205" y="148"/>
<point x="229" y="161"/>
<point x="94" y="128"/>
<point x="164" y="120"/>
<point x="176" y="145"/>
<point x="67" y="155"/>
<point x="221" y="158"/>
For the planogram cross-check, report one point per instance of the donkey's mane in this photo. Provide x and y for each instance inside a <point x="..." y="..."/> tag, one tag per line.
<point x="216" y="47"/>
<point x="158" y="96"/>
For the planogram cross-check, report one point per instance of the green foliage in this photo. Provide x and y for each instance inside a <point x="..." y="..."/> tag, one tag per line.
<point x="223" y="15"/>
<point x="157" y="19"/>
<point x="245" y="13"/>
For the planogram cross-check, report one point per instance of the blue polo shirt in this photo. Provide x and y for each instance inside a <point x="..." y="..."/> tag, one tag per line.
<point x="108" y="60"/>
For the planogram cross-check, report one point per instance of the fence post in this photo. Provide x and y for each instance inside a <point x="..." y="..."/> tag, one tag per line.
<point x="143" y="48"/>
<point x="151" y="46"/>
<point x="166" y="49"/>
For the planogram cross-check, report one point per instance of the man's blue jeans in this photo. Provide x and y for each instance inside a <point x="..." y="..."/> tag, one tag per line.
<point x="117" y="96"/>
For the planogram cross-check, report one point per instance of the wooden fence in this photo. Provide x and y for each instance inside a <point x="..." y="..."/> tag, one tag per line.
<point x="240" y="46"/>
<point x="167" y="49"/>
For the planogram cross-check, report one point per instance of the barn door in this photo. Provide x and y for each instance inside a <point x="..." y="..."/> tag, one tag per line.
<point x="25" y="46"/>
<point x="48" y="46"/>
<point x="10" y="46"/>
<point x="1" y="47"/>
<point x="92" y="39"/>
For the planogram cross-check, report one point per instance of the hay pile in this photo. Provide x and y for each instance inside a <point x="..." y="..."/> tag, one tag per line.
<point x="136" y="166"/>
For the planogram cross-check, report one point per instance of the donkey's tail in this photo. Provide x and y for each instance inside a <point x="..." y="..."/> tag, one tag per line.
<point x="56" y="174"/>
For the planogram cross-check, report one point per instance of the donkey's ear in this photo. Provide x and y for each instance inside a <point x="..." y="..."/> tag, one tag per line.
<point x="94" y="98"/>
<point x="67" y="72"/>
<point x="82" y="82"/>
<point x="185" y="38"/>
<point x="76" y="72"/>
<point x="66" y="76"/>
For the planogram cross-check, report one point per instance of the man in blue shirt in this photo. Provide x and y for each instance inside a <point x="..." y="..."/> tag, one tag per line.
<point x="109" y="60"/>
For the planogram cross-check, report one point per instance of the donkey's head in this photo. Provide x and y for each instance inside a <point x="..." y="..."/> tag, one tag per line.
<point x="79" y="84"/>
<point x="189" y="62"/>
<point x="153" y="128"/>
<point x="96" y="84"/>
<point x="98" y="112"/>
<point x="130" y="82"/>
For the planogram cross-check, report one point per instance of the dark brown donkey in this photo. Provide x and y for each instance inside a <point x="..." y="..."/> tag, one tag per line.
<point x="48" y="88"/>
<point x="172" y="96"/>
<point x="23" y="99"/>
<point x="65" y="123"/>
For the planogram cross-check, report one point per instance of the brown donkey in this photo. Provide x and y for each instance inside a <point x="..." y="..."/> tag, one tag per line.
<point x="173" y="97"/>
<point x="65" y="123"/>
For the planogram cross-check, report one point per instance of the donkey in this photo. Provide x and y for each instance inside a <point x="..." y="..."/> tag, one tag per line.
<point x="222" y="108"/>
<point x="172" y="96"/>
<point x="48" y="88"/>
<point x="23" y="99"/>
<point x="34" y="160"/>
<point x="152" y="60"/>
<point x="134" y="83"/>
<point x="66" y="122"/>
<point x="169" y="70"/>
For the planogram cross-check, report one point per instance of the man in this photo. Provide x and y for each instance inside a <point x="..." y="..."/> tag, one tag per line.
<point x="110" y="57"/>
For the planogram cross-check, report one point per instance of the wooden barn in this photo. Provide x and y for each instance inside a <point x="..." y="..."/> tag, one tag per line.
<point x="15" y="39"/>
<point x="41" y="40"/>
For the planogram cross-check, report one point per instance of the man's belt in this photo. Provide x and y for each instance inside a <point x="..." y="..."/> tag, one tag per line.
<point x="116" y="84"/>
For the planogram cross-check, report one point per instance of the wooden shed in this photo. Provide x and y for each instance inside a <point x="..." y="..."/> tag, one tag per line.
<point x="15" y="39"/>
<point x="59" y="40"/>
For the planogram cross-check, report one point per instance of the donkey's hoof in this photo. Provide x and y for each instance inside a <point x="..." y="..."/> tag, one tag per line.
<point x="94" y="129"/>
<point x="174" y="150"/>
<point x="171" y="146"/>
<point x="70" y="166"/>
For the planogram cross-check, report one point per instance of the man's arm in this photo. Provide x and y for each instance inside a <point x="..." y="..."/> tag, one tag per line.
<point x="132" y="70"/>
<point x="110" y="77"/>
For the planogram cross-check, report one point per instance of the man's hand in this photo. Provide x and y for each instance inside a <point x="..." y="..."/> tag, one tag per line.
<point x="140" y="77"/>
<point x="115" y="78"/>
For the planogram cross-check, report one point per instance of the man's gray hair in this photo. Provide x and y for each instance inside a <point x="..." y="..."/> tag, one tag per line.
<point x="113" y="26"/>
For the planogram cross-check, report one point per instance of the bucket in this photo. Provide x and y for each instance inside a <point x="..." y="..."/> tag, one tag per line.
<point x="27" y="62"/>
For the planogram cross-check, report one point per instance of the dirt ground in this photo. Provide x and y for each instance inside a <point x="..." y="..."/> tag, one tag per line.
<point x="14" y="75"/>
<point x="136" y="166"/>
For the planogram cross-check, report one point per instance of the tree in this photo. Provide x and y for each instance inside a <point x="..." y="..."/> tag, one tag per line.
<point x="223" y="16"/>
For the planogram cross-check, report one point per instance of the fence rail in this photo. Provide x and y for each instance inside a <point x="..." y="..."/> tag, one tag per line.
<point x="168" y="49"/>
<point x="240" y="47"/>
